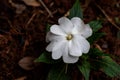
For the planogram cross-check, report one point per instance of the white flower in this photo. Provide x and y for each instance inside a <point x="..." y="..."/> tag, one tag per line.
<point x="68" y="39"/>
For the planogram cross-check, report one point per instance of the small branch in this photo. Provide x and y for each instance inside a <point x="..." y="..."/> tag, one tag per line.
<point x="108" y="17"/>
<point x="29" y="21"/>
<point x="98" y="47"/>
<point x="50" y="13"/>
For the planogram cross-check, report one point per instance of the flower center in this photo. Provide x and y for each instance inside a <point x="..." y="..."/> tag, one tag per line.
<point x="69" y="37"/>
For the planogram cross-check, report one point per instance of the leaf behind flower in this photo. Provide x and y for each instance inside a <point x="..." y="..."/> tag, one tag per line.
<point x="96" y="25"/>
<point x="76" y="10"/>
<point x="45" y="57"/>
<point x="57" y="72"/>
<point x="85" y="69"/>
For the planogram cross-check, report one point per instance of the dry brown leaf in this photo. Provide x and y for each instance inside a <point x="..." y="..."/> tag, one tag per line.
<point x="32" y="3"/>
<point x="21" y="78"/>
<point x="27" y="63"/>
<point x="19" y="7"/>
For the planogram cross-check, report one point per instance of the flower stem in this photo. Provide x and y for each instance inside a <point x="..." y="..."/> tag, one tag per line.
<point x="66" y="68"/>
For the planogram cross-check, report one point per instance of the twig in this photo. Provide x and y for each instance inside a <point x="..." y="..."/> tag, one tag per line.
<point x="13" y="29"/>
<point x="50" y="13"/>
<point x="29" y="21"/>
<point x="97" y="46"/>
<point x="108" y="17"/>
<point x="86" y="5"/>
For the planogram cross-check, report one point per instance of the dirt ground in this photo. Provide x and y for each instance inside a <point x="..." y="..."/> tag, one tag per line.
<point x="23" y="30"/>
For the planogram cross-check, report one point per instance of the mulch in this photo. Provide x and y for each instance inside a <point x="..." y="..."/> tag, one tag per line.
<point x="23" y="31"/>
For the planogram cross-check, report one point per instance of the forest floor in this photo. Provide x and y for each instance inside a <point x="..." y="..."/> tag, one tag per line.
<point x="23" y="30"/>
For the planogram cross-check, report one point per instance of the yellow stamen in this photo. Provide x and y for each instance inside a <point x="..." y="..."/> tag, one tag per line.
<point x="69" y="37"/>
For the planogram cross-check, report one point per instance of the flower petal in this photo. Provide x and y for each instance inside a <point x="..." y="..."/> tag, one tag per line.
<point x="87" y="32"/>
<point x="78" y="25"/>
<point x="55" y="29"/>
<point x="66" y="57"/>
<point x="65" y="24"/>
<point x="52" y="37"/>
<point x="75" y="48"/>
<point x="77" y="21"/>
<point x="51" y="46"/>
<point x="84" y="44"/>
<point x="58" y="50"/>
<point x="49" y="36"/>
<point x="70" y="59"/>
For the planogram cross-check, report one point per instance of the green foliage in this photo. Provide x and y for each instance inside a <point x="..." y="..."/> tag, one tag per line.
<point x="85" y="69"/>
<point x="94" y="56"/>
<point x="90" y="61"/>
<point x="95" y="25"/>
<point x="94" y="60"/>
<point x="57" y="72"/>
<point x="95" y="37"/>
<point x="46" y="58"/>
<point x="76" y="10"/>
<point x="118" y="34"/>
<point x="94" y="52"/>
<point x="48" y="28"/>
<point x="110" y="67"/>
<point x="100" y="60"/>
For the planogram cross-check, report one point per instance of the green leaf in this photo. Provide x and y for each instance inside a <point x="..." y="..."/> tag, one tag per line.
<point x="57" y="72"/>
<point x="94" y="52"/>
<point x="46" y="58"/>
<point x="110" y="67"/>
<point x="94" y="56"/>
<point x="100" y="60"/>
<point x="95" y="37"/>
<point x="48" y="28"/>
<point x="76" y="10"/>
<point x="118" y="34"/>
<point x="85" y="69"/>
<point x="95" y="25"/>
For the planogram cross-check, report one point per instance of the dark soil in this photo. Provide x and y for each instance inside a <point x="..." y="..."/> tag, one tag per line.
<point x="22" y="33"/>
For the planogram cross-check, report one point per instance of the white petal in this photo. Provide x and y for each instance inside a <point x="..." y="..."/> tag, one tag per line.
<point x="75" y="48"/>
<point x="78" y="25"/>
<point x="51" y="46"/>
<point x="49" y="36"/>
<point x="55" y="29"/>
<point x="52" y="37"/>
<point x="84" y="44"/>
<point x="87" y="32"/>
<point x="57" y="54"/>
<point x="65" y="24"/>
<point x="77" y="21"/>
<point x="58" y="50"/>
<point x="69" y="59"/>
<point x="66" y="57"/>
